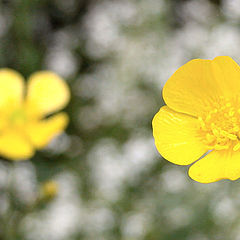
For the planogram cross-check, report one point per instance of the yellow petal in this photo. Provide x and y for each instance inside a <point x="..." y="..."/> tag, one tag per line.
<point x="226" y="74"/>
<point x="176" y="136"/>
<point x="11" y="88"/>
<point x="47" y="92"/>
<point x="14" y="146"/>
<point x="217" y="165"/>
<point x="197" y="84"/>
<point x="42" y="132"/>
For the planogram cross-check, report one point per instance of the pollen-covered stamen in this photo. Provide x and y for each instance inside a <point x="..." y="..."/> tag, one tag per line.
<point x="220" y="127"/>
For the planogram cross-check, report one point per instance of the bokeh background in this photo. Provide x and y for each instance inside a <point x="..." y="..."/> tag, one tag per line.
<point x="116" y="57"/>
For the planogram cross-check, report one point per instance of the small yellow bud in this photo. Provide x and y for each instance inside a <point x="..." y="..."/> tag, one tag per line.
<point x="49" y="189"/>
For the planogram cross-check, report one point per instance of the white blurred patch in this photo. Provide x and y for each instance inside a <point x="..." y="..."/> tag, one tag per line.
<point x="114" y="96"/>
<point x="173" y="180"/>
<point x="200" y="11"/>
<point x="139" y="155"/>
<point x="112" y="167"/>
<point x="24" y="181"/>
<point x="108" y="169"/>
<point x="134" y="225"/>
<point x="61" y="61"/>
<point x="224" y="211"/>
<point x="192" y="38"/>
<point x="4" y="175"/>
<point x="217" y="47"/>
<point x="178" y="217"/>
<point x="98" y="219"/>
<point x="231" y="9"/>
<point x="61" y="218"/>
<point x="59" y="57"/>
<point x="101" y="25"/>
<point x="59" y="144"/>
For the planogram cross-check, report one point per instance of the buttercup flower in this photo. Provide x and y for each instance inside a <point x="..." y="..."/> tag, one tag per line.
<point x="25" y="124"/>
<point x="202" y="115"/>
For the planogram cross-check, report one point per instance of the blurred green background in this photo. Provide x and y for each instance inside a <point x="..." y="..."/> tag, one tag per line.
<point x="116" y="57"/>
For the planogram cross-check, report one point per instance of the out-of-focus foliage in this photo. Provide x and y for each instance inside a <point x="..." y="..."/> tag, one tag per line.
<point x="112" y="184"/>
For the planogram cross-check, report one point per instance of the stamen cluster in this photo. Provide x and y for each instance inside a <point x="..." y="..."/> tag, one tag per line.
<point x="221" y="125"/>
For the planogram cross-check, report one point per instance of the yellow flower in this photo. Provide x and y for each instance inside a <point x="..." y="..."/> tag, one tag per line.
<point x="23" y="123"/>
<point x="202" y="115"/>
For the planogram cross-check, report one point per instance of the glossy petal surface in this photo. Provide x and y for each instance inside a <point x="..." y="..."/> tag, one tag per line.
<point x="215" y="166"/>
<point x="195" y="86"/>
<point x="176" y="136"/>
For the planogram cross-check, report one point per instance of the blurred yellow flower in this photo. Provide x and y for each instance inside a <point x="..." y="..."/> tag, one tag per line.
<point x="49" y="189"/>
<point x="202" y="116"/>
<point x="23" y="123"/>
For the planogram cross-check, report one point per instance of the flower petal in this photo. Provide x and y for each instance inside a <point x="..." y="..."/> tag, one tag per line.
<point x="199" y="83"/>
<point x="14" y="146"/>
<point x="47" y="92"/>
<point x="11" y="87"/>
<point x="216" y="165"/>
<point x="227" y="74"/>
<point x="42" y="132"/>
<point x="176" y="136"/>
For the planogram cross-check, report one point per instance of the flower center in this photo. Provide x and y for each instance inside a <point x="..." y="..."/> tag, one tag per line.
<point x="221" y="125"/>
<point x="18" y="117"/>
